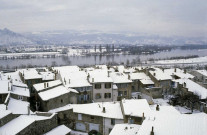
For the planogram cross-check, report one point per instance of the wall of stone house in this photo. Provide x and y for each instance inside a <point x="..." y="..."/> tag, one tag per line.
<point x="55" y="102"/>
<point x="102" y="91"/>
<point x="29" y="130"/>
<point x="128" y="89"/>
<point x="153" y="92"/>
<point x="3" y="98"/>
<point x="107" y="124"/>
<point x="86" y="120"/>
<point x="166" y="84"/>
<point x="7" y="119"/>
<point x="16" y="97"/>
<point x="73" y="98"/>
<point x="135" y="84"/>
<point x="67" y="118"/>
<point x="43" y="126"/>
<point x="137" y="120"/>
<point x="40" y="126"/>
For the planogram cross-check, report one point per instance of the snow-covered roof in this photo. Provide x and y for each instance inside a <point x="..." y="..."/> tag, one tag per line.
<point x="66" y="69"/>
<point x="64" y="108"/>
<point x="178" y="72"/>
<point x="30" y="73"/>
<point x="3" y="111"/>
<point x="194" y="87"/>
<point x="47" y="76"/>
<point x="125" y="129"/>
<point x="112" y="109"/>
<point x="170" y="124"/>
<point x="41" y="86"/>
<point x="20" y="91"/>
<point x="18" y="106"/>
<point x="122" y="69"/>
<point x="76" y="79"/>
<point x="120" y="77"/>
<point x="203" y="72"/>
<point x="135" y="107"/>
<point x="98" y="76"/>
<point x="160" y="74"/>
<point x="5" y="87"/>
<point x="55" y="92"/>
<point x="16" y="125"/>
<point x="146" y="81"/>
<point x="138" y="76"/>
<point x="60" y="130"/>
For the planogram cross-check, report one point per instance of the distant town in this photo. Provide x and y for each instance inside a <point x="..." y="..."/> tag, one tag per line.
<point x="103" y="100"/>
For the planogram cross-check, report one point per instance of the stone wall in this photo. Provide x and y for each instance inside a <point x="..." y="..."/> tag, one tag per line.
<point x="7" y="119"/>
<point x="55" y="102"/>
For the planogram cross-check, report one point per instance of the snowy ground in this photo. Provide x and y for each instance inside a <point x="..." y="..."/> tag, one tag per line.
<point x="199" y="60"/>
<point x="181" y="109"/>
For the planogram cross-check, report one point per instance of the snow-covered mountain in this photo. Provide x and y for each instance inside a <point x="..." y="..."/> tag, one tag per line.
<point x="8" y="37"/>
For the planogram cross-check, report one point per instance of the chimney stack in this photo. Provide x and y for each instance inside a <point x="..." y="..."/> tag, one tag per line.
<point x="184" y="84"/>
<point x="44" y="84"/>
<point x="175" y="70"/>
<point x="104" y="109"/>
<point x="157" y="108"/>
<point x="143" y="116"/>
<point x="47" y="84"/>
<point x="28" y="110"/>
<point x="154" y="74"/>
<point x="8" y="87"/>
<point x="152" y="132"/>
<point x="128" y="76"/>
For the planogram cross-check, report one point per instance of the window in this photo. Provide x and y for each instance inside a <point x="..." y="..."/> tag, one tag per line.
<point x="20" y="97"/>
<point x="125" y="93"/>
<point x="98" y="86"/>
<point x="92" y="117"/>
<point x="107" y="85"/>
<point x="79" y="116"/>
<point x="98" y="96"/>
<point x="120" y="93"/>
<point x="131" y="121"/>
<point x="107" y="95"/>
<point x="112" y="121"/>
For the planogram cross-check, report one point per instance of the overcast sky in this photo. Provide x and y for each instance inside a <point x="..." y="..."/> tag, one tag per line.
<point x="162" y="17"/>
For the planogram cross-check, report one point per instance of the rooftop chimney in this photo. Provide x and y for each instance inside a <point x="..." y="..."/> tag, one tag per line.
<point x="47" y="84"/>
<point x="129" y="77"/>
<point x="44" y="84"/>
<point x="152" y="132"/>
<point x="157" y="108"/>
<point x="154" y="74"/>
<point x="8" y="87"/>
<point x="175" y="70"/>
<point x="184" y="84"/>
<point x="28" y="110"/>
<point x="143" y="116"/>
<point x="104" y="109"/>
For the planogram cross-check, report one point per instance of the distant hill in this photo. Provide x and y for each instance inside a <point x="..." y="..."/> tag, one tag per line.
<point x="69" y="37"/>
<point x="95" y="37"/>
<point x="8" y="37"/>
